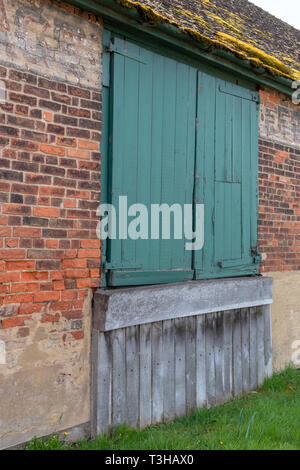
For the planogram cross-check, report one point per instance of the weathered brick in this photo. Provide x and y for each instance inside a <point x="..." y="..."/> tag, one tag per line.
<point x="12" y="322"/>
<point x="10" y="131"/>
<point x="27" y="232"/>
<point x="19" y="98"/>
<point x="16" y="209"/>
<point x="75" y="91"/>
<point x="88" y="253"/>
<point x="18" y="298"/>
<point x="50" y="105"/>
<point x="20" y="122"/>
<point x="46" y="296"/>
<point x="47" y="317"/>
<point x="66" y="141"/>
<point x="37" y="179"/>
<point x="25" y="145"/>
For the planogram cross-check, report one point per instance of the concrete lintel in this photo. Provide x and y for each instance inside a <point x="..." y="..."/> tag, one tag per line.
<point x="119" y="308"/>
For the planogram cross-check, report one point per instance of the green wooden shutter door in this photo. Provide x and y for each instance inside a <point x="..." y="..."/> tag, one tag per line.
<point x="226" y="170"/>
<point x="152" y="133"/>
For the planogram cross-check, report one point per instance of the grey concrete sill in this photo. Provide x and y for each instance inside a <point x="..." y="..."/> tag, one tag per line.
<point x="119" y="308"/>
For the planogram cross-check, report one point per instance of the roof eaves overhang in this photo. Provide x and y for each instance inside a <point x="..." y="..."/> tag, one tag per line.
<point x="129" y="21"/>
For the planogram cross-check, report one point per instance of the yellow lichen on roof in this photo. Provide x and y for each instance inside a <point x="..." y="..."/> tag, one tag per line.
<point x="191" y="15"/>
<point x="255" y="53"/>
<point x="221" y="21"/>
<point x="225" y="41"/>
<point x="296" y="74"/>
<point x="148" y="14"/>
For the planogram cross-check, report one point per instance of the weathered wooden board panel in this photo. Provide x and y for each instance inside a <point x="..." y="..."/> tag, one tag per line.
<point x="132" y="376"/>
<point x="228" y="318"/>
<point x="253" y="349"/>
<point x="237" y="354"/>
<point x="151" y="373"/>
<point x="169" y="369"/>
<point x="210" y="359"/>
<point x="180" y="371"/>
<point x="190" y="377"/>
<point x="157" y="373"/>
<point x="245" y="325"/>
<point x="260" y="329"/>
<point x="219" y="358"/>
<point x="201" y="395"/>
<point x="104" y="382"/>
<point x="145" y="375"/>
<point x="268" y="341"/>
<point x="119" y="395"/>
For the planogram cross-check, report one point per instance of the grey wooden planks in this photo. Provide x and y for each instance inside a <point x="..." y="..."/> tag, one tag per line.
<point x="104" y="381"/>
<point x="201" y="395"/>
<point x="157" y="373"/>
<point x="210" y="359"/>
<point x="268" y="341"/>
<point x="169" y="369"/>
<point x="118" y="377"/>
<point x="150" y="373"/>
<point x="237" y="354"/>
<point x="190" y="361"/>
<point x="132" y="375"/>
<point x="180" y="372"/>
<point x="145" y="375"/>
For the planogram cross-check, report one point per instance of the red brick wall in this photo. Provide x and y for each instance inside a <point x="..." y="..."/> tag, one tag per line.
<point x="49" y="192"/>
<point x="279" y="183"/>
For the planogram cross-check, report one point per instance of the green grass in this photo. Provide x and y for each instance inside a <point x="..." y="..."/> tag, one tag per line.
<point x="267" y="419"/>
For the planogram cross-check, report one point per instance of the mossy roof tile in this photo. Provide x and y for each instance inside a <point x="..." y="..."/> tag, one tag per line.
<point x="235" y="25"/>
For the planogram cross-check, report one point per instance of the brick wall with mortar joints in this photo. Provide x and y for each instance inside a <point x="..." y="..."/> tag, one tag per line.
<point x="279" y="182"/>
<point x="50" y="173"/>
<point x="50" y="133"/>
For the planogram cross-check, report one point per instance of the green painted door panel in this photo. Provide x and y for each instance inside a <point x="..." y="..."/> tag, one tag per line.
<point x="172" y="134"/>
<point x="152" y="133"/>
<point x="226" y="170"/>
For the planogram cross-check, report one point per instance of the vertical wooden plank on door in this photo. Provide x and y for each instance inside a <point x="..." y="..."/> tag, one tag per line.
<point x="184" y="152"/>
<point x="201" y="394"/>
<point x="119" y="377"/>
<point x="190" y="373"/>
<point x="221" y="134"/>
<point x="157" y="372"/>
<point x="169" y="369"/>
<point x="268" y="341"/>
<point x="228" y="390"/>
<point x="210" y="359"/>
<point x="168" y="151"/>
<point x="156" y="147"/>
<point x="246" y="171"/>
<point x="144" y="154"/>
<point x="132" y="374"/>
<point x="254" y="132"/>
<point x="145" y="375"/>
<point x="204" y="167"/>
<point x="229" y="140"/>
<point x="221" y="191"/>
<point x="260" y="346"/>
<point x="106" y="114"/>
<point x="245" y="325"/>
<point x="238" y="149"/>
<point x="129" y="182"/>
<point x="237" y="354"/>
<point x="117" y="136"/>
<point x="236" y="248"/>
<point x="253" y="349"/>
<point x="180" y="390"/>
<point x="219" y="357"/>
<point x="104" y="383"/>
